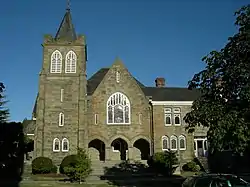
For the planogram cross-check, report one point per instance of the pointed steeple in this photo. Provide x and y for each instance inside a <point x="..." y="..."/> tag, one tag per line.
<point x="66" y="30"/>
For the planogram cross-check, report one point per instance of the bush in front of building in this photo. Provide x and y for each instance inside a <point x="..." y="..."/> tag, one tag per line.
<point x="68" y="161"/>
<point x="191" y="166"/>
<point x="43" y="165"/>
<point x="164" y="163"/>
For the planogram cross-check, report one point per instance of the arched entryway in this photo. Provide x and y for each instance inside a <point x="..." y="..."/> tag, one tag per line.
<point x="144" y="147"/>
<point x="99" y="146"/>
<point x="120" y="146"/>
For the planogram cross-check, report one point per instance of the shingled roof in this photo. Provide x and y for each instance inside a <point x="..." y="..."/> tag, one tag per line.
<point x="157" y="94"/>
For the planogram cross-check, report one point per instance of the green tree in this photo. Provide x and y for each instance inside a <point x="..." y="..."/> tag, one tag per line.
<point x="4" y="112"/>
<point x="224" y="104"/>
<point x="81" y="169"/>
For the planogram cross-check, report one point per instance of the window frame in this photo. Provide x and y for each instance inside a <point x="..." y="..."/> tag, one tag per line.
<point x="173" y="137"/>
<point x="182" y="137"/>
<point x="162" y="139"/>
<point x="63" y="141"/>
<point x="168" y="113"/>
<point x="58" y="62"/>
<point x="61" y="119"/>
<point x="56" y="140"/>
<point x="71" y="61"/>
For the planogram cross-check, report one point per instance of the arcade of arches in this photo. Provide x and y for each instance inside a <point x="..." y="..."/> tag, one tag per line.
<point x="119" y="149"/>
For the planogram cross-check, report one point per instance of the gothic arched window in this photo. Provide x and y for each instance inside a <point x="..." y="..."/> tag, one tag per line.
<point x="165" y="144"/>
<point x="70" y="62"/>
<point x="56" y="62"/>
<point x="118" y="109"/>
<point x="56" y="145"/>
<point x="173" y="143"/>
<point x="65" y="145"/>
<point x="182" y="142"/>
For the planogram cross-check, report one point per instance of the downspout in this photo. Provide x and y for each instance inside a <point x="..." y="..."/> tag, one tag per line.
<point x="151" y="126"/>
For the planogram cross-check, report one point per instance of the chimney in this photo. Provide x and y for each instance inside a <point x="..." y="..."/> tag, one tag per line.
<point x="160" y="82"/>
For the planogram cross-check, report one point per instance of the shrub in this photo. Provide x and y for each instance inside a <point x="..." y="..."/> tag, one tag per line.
<point x="68" y="161"/>
<point x="43" y="165"/>
<point x="80" y="169"/>
<point x="191" y="166"/>
<point x="164" y="162"/>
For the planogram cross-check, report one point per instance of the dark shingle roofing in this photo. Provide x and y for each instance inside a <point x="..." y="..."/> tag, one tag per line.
<point x="66" y="30"/>
<point x="157" y="94"/>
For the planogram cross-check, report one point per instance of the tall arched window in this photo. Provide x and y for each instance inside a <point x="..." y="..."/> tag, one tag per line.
<point x="118" y="109"/>
<point x="182" y="142"/>
<point x="56" y="145"/>
<point x="65" y="145"/>
<point x="173" y="142"/>
<point x="70" y="62"/>
<point x="165" y="143"/>
<point x="56" y="62"/>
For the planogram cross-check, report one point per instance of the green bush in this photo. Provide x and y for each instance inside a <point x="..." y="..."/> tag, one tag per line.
<point x="43" y="165"/>
<point x="191" y="166"/>
<point x="164" y="162"/>
<point x="68" y="161"/>
<point x="79" y="168"/>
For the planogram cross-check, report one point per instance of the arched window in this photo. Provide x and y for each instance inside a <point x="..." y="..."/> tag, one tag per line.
<point x="182" y="142"/>
<point x="70" y="62"/>
<point x="65" y="145"/>
<point x="61" y="119"/>
<point x="165" y="143"/>
<point x="56" y="145"/>
<point x="118" y="109"/>
<point x="173" y="143"/>
<point x="56" y="62"/>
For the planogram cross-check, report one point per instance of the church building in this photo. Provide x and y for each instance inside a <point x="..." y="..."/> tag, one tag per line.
<point x="112" y="115"/>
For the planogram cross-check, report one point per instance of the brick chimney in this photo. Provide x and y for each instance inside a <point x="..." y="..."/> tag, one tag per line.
<point x="160" y="82"/>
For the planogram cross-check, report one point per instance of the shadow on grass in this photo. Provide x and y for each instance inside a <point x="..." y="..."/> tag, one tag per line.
<point x="137" y="174"/>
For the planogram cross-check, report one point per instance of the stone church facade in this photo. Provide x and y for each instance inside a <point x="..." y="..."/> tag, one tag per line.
<point x="112" y="115"/>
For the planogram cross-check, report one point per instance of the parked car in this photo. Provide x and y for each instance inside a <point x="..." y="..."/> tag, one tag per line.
<point x="215" y="180"/>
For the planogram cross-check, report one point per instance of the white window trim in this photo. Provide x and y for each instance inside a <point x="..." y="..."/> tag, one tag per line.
<point x="61" y="95"/>
<point x="66" y="58"/>
<point x="173" y="103"/>
<point x="182" y="137"/>
<point x="57" y="63"/>
<point x="168" y="115"/>
<point x="173" y="138"/>
<point x="117" y="76"/>
<point x="164" y="138"/>
<point x="65" y="140"/>
<point x="54" y="142"/>
<point x="179" y="115"/>
<point x="30" y="134"/>
<point x="96" y="119"/>
<point x="140" y="118"/>
<point x="61" y="119"/>
<point x="129" y="112"/>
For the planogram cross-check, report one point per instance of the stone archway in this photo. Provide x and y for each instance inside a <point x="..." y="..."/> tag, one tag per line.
<point x="144" y="148"/>
<point x="120" y="146"/>
<point x="97" y="149"/>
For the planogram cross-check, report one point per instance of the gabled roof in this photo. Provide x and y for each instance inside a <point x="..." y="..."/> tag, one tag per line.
<point x="157" y="94"/>
<point x="66" y="29"/>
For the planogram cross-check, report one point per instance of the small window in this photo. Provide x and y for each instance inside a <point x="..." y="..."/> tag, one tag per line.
<point x="65" y="145"/>
<point x="173" y="143"/>
<point x="140" y="119"/>
<point x="96" y="119"/>
<point x="177" y="119"/>
<point x="167" y="110"/>
<point x="118" y="76"/>
<point x="62" y="90"/>
<point x="177" y="110"/>
<point x="167" y="116"/>
<point x="61" y="119"/>
<point x="165" y="145"/>
<point x="182" y="142"/>
<point x="56" y="145"/>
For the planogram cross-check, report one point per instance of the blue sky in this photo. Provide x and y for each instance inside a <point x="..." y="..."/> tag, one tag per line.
<point x="154" y="38"/>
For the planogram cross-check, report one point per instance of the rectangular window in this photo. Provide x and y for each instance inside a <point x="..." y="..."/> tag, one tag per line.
<point x="62" y="92"/>
<point x="61" y="119"/>
<point x="167" y="116"/>
<point x="96" y="119"/>
<point x="140" y="118"/>
<point x="177" y="116"/>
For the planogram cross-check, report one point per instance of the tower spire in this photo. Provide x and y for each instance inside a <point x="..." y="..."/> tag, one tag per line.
<point x="68" y="5"/>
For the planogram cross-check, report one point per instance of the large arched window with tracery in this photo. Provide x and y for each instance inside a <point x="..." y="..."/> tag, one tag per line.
<point x="118" y="109"/>
<point x="56" y="62"/>
<point x="70" y="62"/>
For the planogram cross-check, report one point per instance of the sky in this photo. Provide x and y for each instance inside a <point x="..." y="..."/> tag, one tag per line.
<point x="153" y="38"/>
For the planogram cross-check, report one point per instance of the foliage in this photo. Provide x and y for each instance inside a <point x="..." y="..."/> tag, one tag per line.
<point x="28" y="144"/>
<point x="68" y="161"/>
<point x="81" y="169"/>
<point x="191" y="166"/>
<point x="4" y="112"/>
<point x="43" y="165"/>
<point x="164" y="162"/>
<point x="224" y="85"/>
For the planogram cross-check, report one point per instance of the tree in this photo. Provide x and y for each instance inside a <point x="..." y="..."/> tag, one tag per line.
<point x="224" y="85"/>
<point x="81" y="169"/>
<point x="4" y="113"/>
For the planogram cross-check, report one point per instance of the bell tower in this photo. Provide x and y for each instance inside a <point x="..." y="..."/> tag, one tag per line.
<point x="61" y="101"/>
